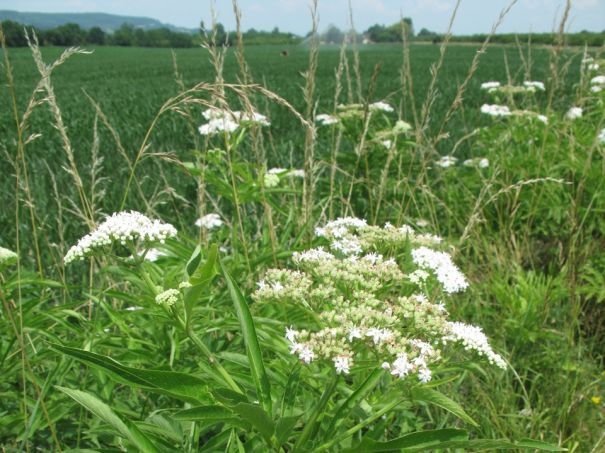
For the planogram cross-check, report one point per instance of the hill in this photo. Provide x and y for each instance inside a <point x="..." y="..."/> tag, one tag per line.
<point x="107" y="22"/>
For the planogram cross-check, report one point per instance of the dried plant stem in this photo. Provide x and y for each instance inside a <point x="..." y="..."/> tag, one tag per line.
<point x="309" y="95"/>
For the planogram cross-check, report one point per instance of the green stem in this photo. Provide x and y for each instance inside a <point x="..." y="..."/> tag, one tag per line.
<point x="312" y="422"/>
<point x="348" y="433"/>
<point x="192" y="336"/>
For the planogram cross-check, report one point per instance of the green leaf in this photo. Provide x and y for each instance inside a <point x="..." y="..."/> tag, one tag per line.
<point x="354" y="398"/>
<point x="228" y="397"/>
<point x="253" y="350"/>
<point x="204" y="413"/>
<point x="538" y="445"/>
<point x="257" y="417"/>
<point x="182" y="386"/>
<point x="284" y="427"/>
<point x="422" y="440"/>
<point x="125" y="428"/>
<point x="200" y="277"/>
<point x="194" y="261"/>
<point x="439" y="399"/>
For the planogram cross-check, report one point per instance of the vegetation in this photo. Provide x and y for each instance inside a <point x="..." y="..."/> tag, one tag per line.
<point x="449" y="187"/>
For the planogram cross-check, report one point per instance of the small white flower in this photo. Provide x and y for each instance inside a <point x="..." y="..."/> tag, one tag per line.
<point x="291" y="334"/>
<point x="596" y="89"/>
<point x="347" y="246"/>
<point x="593" y="67"/>
<point x="306" y="354"/>
<point x="354" y="333"/>
<point x="401" y="366"/>
<point x="483" y="162"/>
<point x="342" y="364"/>
<point x="209" y="221"/>
<point x="542" y="118"/>
<point x="573" y="113"/>
<point x="424" y="375"/>
<point x="601" y="136"/>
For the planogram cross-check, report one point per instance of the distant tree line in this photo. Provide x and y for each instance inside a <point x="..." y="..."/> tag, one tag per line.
<point x="129" y="35"/>
<point x="74" y="35"/>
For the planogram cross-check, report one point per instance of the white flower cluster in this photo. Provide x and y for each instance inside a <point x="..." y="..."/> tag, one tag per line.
<point x="7" y="257"/>
<point x="326" y="120"/>
<point x="227" y="121"/>
<point x="490" y="86"/>
<point x="441" y="264"/>
<point x="597" y="84"/>
<point x="121" y="227"/>
<point x="573" y="113"/>
<point x="273" y="176"/>
<point x="529" y="86"/>
<point x="473" y="338"/>
<point x="532" y="85"/>
<point x="381" y="107"/>
<point x="478" y="162"/>
<point x="447" y="161"/>
<point x="365" y="306"/>
<point x="601" y="136"/>
<point x="495" y="110"/>
<point x="209" y="221"/>
<point x="168" y="297"/>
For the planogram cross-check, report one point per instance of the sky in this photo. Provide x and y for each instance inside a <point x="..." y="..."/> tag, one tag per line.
<point x="474" y="16"/>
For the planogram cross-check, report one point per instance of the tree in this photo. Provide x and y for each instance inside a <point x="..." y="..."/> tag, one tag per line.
<point x="14" y="34"/>
<point x="333" y="35"/>
<point x="124" y="36"/>
<point x="96" y="36"/>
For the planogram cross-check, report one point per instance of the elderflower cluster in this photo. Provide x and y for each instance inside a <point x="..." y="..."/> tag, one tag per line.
<point x="495" y="110"/>
<point x="478" y="162"/>
<point x="597" y="84"/>
<point x="532" y="86"/>
<point x="274" y="175"/>
<point x="227" y="121"/>
<point x="7" y="257"/>
<point x="366" y="305"/>
<point x="491" y="86"/>
<point x="573" y="113"/>
<point x="447" y="161"/>
<point x="168" y="297"/>
<point x="209" y="221"/>
<point x="122" y="228"/>
<point x="381" y="107"/>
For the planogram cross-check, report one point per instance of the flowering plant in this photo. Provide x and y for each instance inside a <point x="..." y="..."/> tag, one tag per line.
<point x="375" y="297"/>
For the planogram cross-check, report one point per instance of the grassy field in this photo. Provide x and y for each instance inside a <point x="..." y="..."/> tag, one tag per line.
<point x="203" y="365"/>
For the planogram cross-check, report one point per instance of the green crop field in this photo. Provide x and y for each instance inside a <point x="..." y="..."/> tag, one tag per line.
<point x="325" y="282"/>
